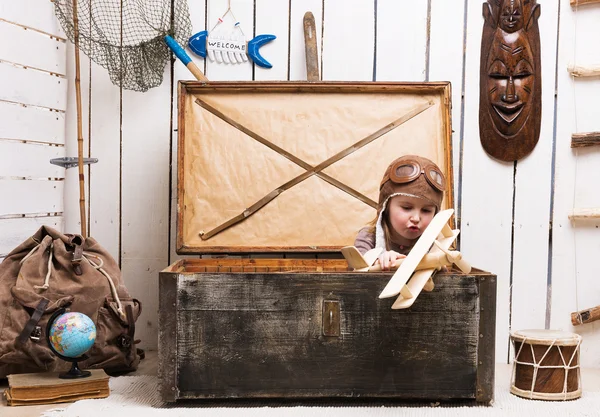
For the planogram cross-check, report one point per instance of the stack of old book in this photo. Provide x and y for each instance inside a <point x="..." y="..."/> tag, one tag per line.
<point x="48" y="388"/>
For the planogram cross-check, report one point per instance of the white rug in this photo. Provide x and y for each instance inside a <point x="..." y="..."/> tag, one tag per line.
<point x="138" y="396"/>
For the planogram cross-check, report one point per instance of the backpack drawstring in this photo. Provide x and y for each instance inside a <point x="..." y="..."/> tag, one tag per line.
<point x="113" y="289"/>
<point x="98" y="266"/>
<point x="29" y="254"/>
<point x="47" y="280"/>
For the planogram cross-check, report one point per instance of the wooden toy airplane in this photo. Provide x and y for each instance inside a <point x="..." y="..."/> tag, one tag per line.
<point x="360" y="263"/>
<point x="423" y="260"/>
<point x="365" y="263"/>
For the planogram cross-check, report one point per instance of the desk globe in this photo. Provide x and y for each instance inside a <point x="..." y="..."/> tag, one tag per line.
<point x="70" y="335"/>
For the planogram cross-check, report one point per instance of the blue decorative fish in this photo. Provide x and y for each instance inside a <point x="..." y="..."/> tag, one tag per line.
<point x="229" y="47"/>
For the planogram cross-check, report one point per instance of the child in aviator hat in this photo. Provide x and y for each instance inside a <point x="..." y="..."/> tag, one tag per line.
<point x="410" y="194"/>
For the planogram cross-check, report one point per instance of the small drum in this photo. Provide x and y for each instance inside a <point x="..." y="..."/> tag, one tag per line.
<point x="546" y="365"/>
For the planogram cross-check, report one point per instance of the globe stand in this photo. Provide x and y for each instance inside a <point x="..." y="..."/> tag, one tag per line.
<point x="75" y="371"/>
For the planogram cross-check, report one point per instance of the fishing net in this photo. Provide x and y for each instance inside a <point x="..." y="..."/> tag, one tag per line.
<point x="127" y="36"/>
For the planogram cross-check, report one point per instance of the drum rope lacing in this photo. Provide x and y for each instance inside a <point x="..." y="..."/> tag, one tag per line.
<point x="537" y="366"/>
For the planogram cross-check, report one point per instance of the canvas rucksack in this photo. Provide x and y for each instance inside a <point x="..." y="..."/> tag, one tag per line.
<point x="50" y="271"/>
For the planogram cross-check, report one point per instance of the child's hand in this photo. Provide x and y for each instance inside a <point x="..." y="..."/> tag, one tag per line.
<point x="388" y="258"/>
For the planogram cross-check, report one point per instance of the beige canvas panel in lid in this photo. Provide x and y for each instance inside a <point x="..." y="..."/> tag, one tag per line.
<point x="239" y="142"/>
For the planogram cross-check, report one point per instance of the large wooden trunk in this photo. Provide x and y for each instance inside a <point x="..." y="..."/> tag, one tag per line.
<point x="282" y="168"/>
<point x="309" y="334"/>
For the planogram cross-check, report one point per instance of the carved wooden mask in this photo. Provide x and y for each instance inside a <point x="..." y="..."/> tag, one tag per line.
<point x="510" y="97"/>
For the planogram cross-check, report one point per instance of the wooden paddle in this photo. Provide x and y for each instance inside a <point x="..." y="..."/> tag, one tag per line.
<point x="310" y="42"/>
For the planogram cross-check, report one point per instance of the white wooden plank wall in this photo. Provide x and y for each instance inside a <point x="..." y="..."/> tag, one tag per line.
<point x="402" y="40"/>
<point x="348" y="40"/>
<point x="145" y="196"/>
<point x="533" y="191"/>
<point x="446" y="58"/>
<point x="180" y="72"/>
<point x="577" y="174"/>
<point x="105" y="144"/>
<point x="513" y="215"/>
<point x="33" y="99"/>
<point x="487" y="190"/>
<point x="276" y="51"/>
<point x="34" y="14"/>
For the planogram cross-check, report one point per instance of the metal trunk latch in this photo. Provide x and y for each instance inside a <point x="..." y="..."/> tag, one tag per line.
<point x="331" y="318"/>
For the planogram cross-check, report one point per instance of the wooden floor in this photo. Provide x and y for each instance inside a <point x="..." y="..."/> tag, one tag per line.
<point x="590" y="382"/>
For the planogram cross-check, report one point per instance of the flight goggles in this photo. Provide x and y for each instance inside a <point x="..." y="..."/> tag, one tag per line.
<point x="408" y="170"/>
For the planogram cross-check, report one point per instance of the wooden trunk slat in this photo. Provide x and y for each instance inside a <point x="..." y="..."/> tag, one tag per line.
<point x="305" y="292"/>
<point x="194" y="265"/>
<point x="167" y="335"/>
<point x="296" y="360"/>
<point x="194" y="87"/>
<point x="486" y="353"/>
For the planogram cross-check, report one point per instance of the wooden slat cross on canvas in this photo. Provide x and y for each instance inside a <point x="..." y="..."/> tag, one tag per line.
<point x="310" y="170"/>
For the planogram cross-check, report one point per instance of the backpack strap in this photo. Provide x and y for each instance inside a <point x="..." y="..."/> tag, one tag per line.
<point x="130" y="323"/>
<point x="77" y="242"/>
<point x="131" y="332"/>
<point x="125" y="341"/>
<point x="33" y="321"/>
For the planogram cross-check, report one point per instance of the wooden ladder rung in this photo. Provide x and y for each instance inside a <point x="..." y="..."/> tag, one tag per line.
<point x="581" y="140"/>
<point x="584" y="71"/>
<point x="585" y="214"/>
<point x="580" y="2"/>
